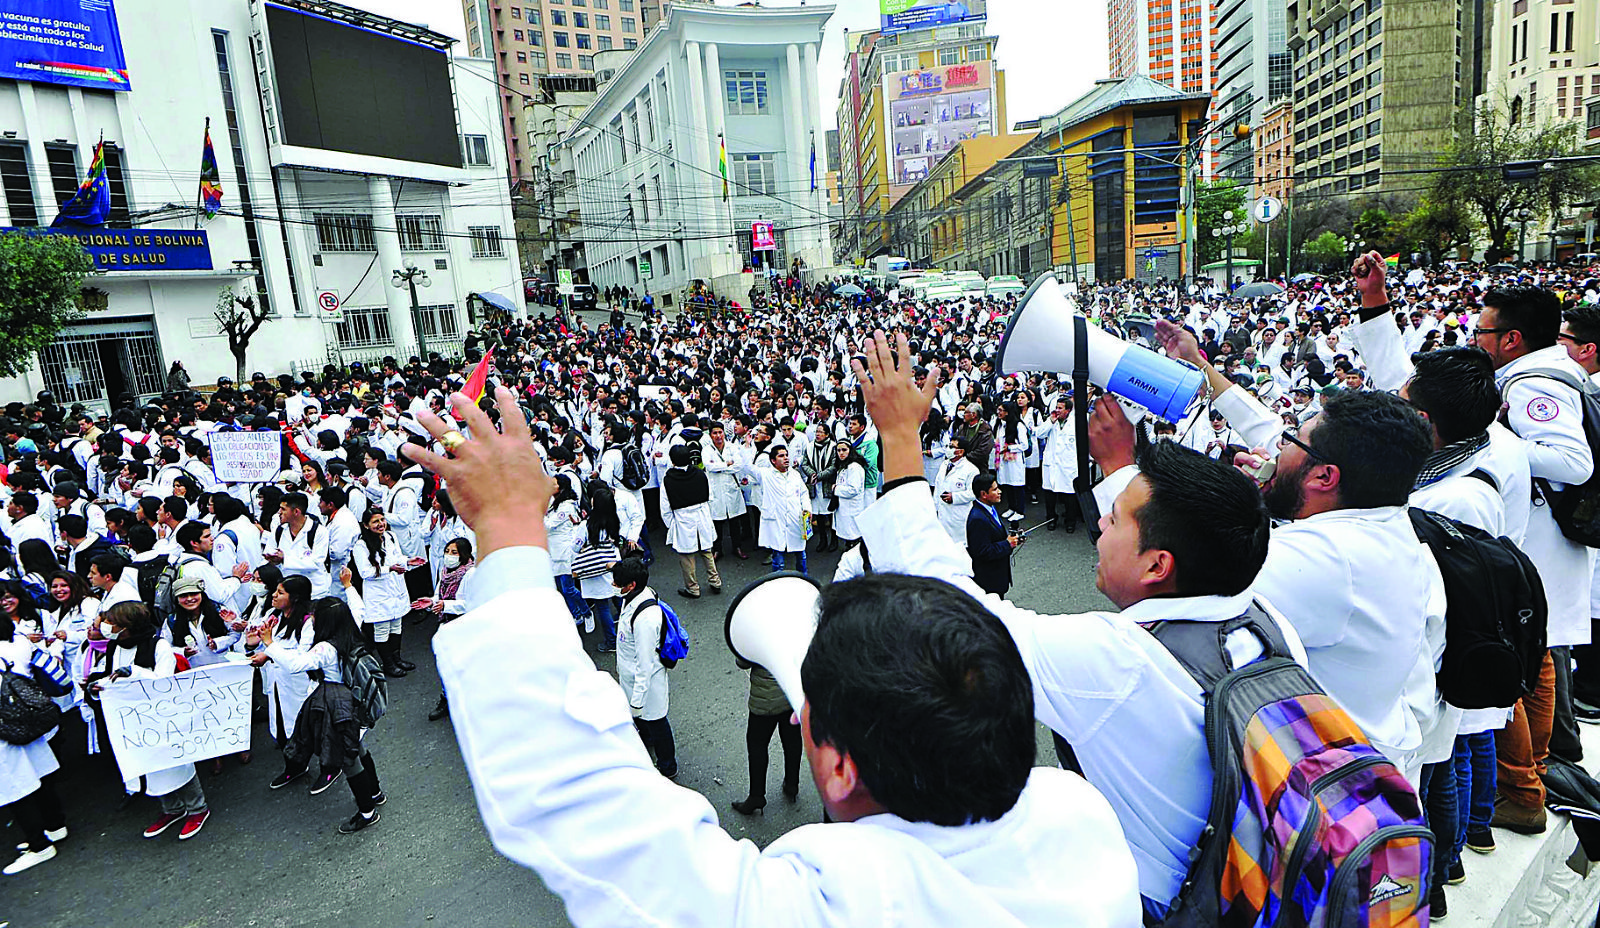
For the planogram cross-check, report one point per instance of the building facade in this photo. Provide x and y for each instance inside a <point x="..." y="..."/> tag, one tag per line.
<point x="1273" y="140"/>
<point x="1173" y="42"/>
<point x="932" y="228"/>
<point x="656" y="213"/>
<point x="1379" y="86"/>
<point x="556" y="239"/>
<point x="313" y="224"/>
<point x="1253" y="71"/>
<point x="1543" y="61"/>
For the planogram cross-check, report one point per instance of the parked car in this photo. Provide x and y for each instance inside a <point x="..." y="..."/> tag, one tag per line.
<point x="530" y="289"/>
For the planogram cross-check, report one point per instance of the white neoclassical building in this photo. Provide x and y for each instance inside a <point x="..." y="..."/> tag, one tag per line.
<point x="647" y="152"/>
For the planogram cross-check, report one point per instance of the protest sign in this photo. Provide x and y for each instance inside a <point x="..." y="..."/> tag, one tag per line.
<point x="246" y="457"/>
<point x="166" y="722"/>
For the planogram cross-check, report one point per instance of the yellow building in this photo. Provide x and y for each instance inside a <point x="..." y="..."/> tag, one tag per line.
<point x="927" y="224"/>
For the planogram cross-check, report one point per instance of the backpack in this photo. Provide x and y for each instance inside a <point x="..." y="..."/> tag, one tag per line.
<point x="1309" y="823"/>
<point x="1576" y="508"/>
<point x="1495" y="614"/>
<point x="369" y="687"/>
<point x="674" y="644"/>
<point x="162" y="600"/>
<point x="635" y="472"/>
<point x="149" y="576"/>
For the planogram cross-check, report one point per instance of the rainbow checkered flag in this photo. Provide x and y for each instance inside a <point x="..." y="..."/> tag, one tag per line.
<point x="210" y="179"/>
<point x="722" y="164"/>
<point x="92" y="203"/>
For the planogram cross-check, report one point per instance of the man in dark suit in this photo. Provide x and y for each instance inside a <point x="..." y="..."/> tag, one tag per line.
<point x="989" y="541"/>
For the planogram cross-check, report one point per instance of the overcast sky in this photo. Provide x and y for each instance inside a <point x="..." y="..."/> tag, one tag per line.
<point x="1051" y="50"/>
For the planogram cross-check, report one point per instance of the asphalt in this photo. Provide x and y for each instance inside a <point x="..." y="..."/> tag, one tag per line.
<point x="270" y="859"/>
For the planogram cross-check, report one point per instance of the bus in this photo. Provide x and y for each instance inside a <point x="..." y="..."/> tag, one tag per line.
<point x="1002" y="285"/>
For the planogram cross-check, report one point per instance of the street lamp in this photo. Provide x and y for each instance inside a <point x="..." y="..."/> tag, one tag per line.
<point x="1523" y="217"/>
<point x="1228" y="231"/>
<point x="410" y="276"/>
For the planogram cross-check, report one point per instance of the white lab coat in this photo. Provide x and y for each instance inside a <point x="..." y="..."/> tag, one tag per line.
<point x="849" y="488"/>
<point x="1011" y="469"/>
<point x="160" y="782"/>
<point x="305" y="554"/>
<point x="22" y="765"/>
<point x="285" y="690"/>
<point x="1060" y="460"/>
<point x="383" y="590"/>
<point x="955" y="478"/>
<point x="584" y="807"/>
<point x="691" y="529"/>
<point x="785" y="508"/>
<point x="402" y="509"/>
<point x="722" y="469"/>
<point x="561" y="526"/>
<point x="442" y="531"/>
<point x="1134" y="716"/>
<point x="639" y="668"/>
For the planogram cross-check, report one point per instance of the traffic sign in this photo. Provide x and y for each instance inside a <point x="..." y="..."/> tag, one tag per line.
<point x="564" y="281"/>
<point x="1267" y="209"/>
<point x="644" y="267"/>
<point x="329" y="306"/>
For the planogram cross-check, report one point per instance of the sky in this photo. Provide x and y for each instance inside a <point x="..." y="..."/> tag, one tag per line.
<point x="1051" y="50"/>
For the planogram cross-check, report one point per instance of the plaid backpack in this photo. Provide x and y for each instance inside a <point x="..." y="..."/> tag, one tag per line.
<point x="1309" y="823"/>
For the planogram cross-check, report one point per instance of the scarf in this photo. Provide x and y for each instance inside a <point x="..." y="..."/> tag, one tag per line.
<point x="685" y="487"/>
<point x="1442" y="461"/>
<point x="450" y="580"/>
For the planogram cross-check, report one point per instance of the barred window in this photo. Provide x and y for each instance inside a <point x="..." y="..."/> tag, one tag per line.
<point x="344" y="231"/>
<point x="421" y="233"/>
<point x="438" y="320"/>
<point x="486" y="241"/>
<point x="364" y="326"/>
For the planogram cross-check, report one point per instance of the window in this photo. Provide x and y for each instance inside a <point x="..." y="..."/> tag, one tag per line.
<point x="586" y="62"/>
<point x="601" y="4"/>
<point x="364" y="326"/>
<point x="627" y="24"/>
<point x="1555" y="31"/>
<point x="754" y="175"/>
<point x="563" y="61"/>
<point x="745" y="92"/>
<point x="604" y="42"/>
<point x="343" y="231"/>
<point x="522" y="79"/>
<point x="977" y="52"/>
<point x="534" y="18"/>
<point x="949" y="56"/>
<point x="558" y="17"/>
<point x="63" y="164"/>
<point x="475" y="150"/>
<point x="580" y="20"/>
<point x="486" y="242"/>
<point x="517" y="34"/>
<point x="536" y="38"/>
<point x="540" y="60"/>
<point x="630" y="44"/>
<point x="602" y="22"/>
<point x="421" y="232"/>
<point x="522" y="57"/>
<point x="516" y="12"/>
<point x="644" y="205"/>
<point x="561" y="39"/>
<point x="625" y="6"/>
<point x="438" y="320"/>
<point x="650" y="131"/>
<point x="585" y="40"/>
<point x="19" y="189"/>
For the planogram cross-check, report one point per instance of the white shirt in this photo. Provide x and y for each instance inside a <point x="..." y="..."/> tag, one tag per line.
<point x="305" y="554"/>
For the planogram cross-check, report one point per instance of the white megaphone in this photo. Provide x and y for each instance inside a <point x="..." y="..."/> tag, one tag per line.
<point x="1039" y="337"/>
<point x="771" y="622"/>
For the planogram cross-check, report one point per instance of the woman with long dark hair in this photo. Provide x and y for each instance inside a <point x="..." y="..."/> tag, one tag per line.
<point x="850" y="491"/>
<point x="285" y="693"/>
<point x="380" y="563"/>
<point x="604" y="529"/>
<point x="458" y="567"/>
<point x="329" y="727"/>
<point x="1011" y="442"/>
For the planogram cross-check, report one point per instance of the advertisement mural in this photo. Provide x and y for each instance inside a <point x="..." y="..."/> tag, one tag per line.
<point x="73" y="42"/>
<point x="902" y="15"/>
<point x="933" y="111"/>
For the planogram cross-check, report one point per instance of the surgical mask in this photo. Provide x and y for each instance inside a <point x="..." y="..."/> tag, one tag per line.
<point x="257" y="588"/>
<point x="107" y="632"/>
<point x="451" y="561"/>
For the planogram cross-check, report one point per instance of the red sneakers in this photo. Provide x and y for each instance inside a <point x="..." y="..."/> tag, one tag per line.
<point x="162" y="824"/>
<point x="193" y="824"/>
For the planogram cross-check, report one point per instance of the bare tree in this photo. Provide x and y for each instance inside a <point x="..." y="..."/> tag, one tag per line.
<point x="239" y="317"/>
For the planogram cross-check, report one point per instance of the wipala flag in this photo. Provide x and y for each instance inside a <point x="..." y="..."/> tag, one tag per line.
<point x="722" y="164"/>
<point x="91" y="205"/>
<point x="478" y="382"/>
<point x="210" y="178"/>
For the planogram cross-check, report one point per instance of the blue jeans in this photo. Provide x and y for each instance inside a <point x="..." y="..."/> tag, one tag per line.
<point x="777" y="559"/>
<point x="1438" y="795"/>
<point x="1475" y="782"/>
<point x="569" y="592"/>
<point x="605" y="611"/>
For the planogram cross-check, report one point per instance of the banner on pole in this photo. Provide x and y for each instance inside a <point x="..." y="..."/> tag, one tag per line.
<point x="171" y="721"/>
<point x="246" y="457"/>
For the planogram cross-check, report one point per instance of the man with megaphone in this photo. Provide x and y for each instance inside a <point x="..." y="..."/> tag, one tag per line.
<point x="916" y="715"/>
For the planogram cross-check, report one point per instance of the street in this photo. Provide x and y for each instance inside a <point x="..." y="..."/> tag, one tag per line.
<point x="276" y="859"/>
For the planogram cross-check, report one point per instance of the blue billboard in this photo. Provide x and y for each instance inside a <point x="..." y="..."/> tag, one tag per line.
<point x="73" y="42"/>
<point x="904" y="15"/>
<point x="139" y="249"/>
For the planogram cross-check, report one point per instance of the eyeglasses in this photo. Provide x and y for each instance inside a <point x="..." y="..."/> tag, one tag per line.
<point x="1291" y="435"/>
<point x="1483" y="331"/>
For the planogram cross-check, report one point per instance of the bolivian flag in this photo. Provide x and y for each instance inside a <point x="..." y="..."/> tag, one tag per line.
<point x="477" y="383"/>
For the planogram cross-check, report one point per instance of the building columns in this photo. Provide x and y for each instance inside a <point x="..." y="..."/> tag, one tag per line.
<point x="386" y="235"/>
<point x="716" y="105"/>
<point x="817" y="199"/>
<point x="795" y="104"/>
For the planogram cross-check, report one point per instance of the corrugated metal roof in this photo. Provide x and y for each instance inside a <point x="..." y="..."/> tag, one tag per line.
<point x="1108" y="95"/>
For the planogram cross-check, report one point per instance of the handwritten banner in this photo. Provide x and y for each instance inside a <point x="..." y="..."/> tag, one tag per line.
<point x="170" y="721"/>
<point x="246" y="457"/>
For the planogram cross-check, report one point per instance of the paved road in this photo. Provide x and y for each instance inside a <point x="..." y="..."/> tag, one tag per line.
<point x="276" y="858"/>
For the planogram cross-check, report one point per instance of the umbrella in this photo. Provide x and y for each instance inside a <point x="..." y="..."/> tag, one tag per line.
<point x="1502" y="268"/>
<point x="849" y="290"/>
<point x="1302" y="278"/>
<point x="1259" y="288"/>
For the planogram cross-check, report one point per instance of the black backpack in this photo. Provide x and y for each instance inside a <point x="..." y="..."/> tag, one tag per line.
<point x="635" y="472"/>
<point x="1495" y="613"/>
<point x="150" y="574"/>
<point x="1577" y="507"/>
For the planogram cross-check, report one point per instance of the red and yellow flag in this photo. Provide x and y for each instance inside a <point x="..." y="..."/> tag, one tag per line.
<point x="475" y="385"/>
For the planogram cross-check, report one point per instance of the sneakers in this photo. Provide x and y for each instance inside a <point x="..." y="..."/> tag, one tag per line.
<point x="1458" y="873"/>
<point x="30" y="859"/>
<point x="1584" y="712"/>
<point x="1438" y="908"/>
<point x="379" y="799"/>
<point x="284" y="779"/>
<point x="192" y="824"/>
<point x="358" y="822"/>
<point x="1520" y="819"/>
<point x="161" y="824"/>
<point x="1480" y="839"/>
<point x="588" y="624"/>
<point x="56" y="834"/>
<point x="324" y="781"/>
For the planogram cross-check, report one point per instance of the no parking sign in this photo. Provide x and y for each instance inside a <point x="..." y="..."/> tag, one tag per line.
<point x="329" y="307"/>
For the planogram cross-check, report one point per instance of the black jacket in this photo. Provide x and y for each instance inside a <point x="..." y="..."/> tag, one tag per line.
<point x="990" y="551"/>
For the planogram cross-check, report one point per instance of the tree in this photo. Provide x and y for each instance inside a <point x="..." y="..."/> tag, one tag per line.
<point x="1436" y="228"/>
<point x="1471" y="177"/>
<point x="239" y="317"/>
<point x="1325" y="251"/>
<point x="1212" y="200"/>
<point x="41" y="286"/>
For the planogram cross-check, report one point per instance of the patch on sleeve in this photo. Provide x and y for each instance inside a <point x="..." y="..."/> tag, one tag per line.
<point x="1543" y="409"/>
